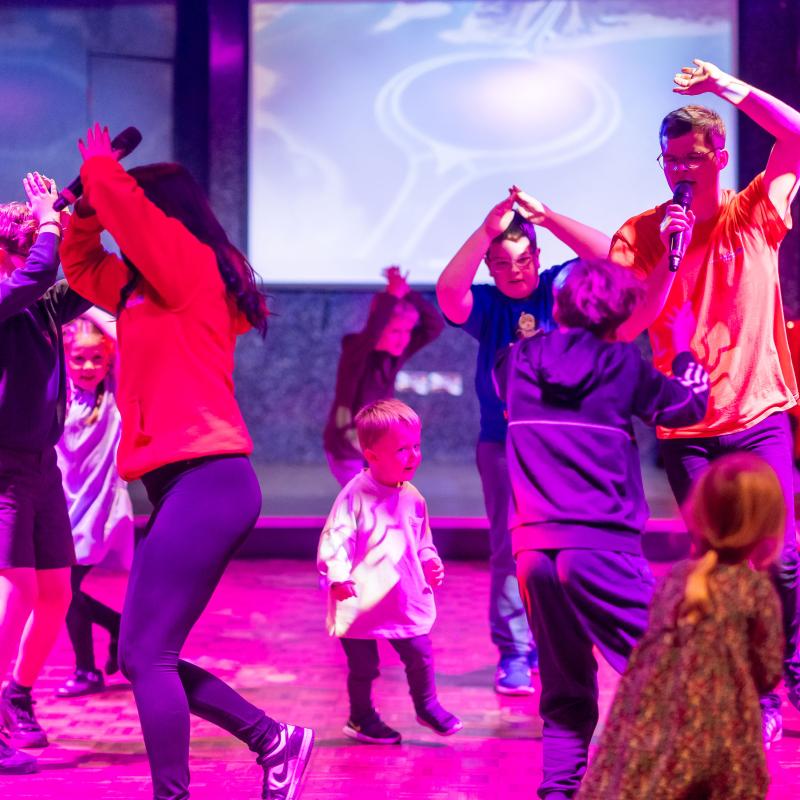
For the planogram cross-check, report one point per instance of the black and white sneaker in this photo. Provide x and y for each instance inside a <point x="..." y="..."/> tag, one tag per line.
<point x="82" y="682"/>
<point x="372" y="731"/>
<point x="285" y="762"/>
<point x="16" y="714"/>
<point x="440" y="721"/>
<point x="14" y="762"/>
<point x="771" y="726"/>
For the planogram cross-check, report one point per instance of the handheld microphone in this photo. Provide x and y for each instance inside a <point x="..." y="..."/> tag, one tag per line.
<point x="126" y="142"/>
<point x="683" y="198"/>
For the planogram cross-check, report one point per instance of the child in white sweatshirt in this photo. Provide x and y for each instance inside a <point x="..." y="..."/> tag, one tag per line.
<point x="377" y="553"/>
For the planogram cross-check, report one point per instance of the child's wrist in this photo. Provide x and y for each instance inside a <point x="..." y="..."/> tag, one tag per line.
<point x="50" y="226"/>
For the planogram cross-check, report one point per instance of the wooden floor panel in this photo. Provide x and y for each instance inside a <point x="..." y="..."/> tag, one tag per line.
<point x="263" y="631"/>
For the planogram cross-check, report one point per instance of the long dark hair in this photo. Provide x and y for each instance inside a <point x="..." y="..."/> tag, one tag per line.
<point x="173" y="189"/>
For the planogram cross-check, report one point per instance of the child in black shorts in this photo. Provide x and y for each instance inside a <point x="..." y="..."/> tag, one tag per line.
<point x="36" y="549"/>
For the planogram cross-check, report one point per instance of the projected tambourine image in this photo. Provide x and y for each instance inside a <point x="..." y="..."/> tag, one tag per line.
<point x="461" y="117"/>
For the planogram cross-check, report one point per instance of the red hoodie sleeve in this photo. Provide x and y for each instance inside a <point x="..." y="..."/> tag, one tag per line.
<point x="172" y="260"/>
<point x="91" y="270"/>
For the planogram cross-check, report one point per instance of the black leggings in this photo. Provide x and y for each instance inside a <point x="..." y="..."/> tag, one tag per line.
<point x="203" y="510"/>
<point x="84" y="611"/>
<point x="363" y="664"/>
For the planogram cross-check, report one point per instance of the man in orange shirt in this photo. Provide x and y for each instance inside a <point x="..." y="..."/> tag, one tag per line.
<point x="728" y="276"/>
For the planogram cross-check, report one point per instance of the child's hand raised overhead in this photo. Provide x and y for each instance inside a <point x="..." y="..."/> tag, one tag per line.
<point x="433" y="570"/>
<point x="42" y="194"/>
<point x="499" y="218"/>
<point x="529" y="207"/>
<point x="344" y="590"/>
<point x="396" y="282"/>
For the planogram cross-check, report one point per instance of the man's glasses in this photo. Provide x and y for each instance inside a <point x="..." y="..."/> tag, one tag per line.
<point x="522" y="263"/>
<point x="692" y="161"/>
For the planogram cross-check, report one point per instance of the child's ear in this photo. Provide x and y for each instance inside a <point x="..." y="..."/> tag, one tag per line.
<point x="369" y="455"/>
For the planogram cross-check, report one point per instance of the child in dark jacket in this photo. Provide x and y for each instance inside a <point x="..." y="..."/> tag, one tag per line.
<point x="578" y="506"/>
<point x="400" y="323"/>
<point x="686" y="720"/>
<point x="36" y="548"/>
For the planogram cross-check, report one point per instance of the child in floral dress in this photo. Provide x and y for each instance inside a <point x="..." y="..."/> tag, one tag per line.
<point x="686" y="720"/>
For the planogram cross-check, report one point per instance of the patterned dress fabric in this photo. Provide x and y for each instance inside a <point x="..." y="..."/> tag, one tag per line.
<point x="686" y="720"/>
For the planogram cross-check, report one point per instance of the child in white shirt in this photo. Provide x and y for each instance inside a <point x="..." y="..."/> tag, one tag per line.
<point x="377" y="553"/>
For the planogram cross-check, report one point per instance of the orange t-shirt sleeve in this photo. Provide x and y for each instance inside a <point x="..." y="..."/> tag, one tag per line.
<point x="754" y="209"/>
<point x="637" y="244"/>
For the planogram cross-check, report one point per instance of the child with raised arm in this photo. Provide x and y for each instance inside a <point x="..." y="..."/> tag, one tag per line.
<point x="35" y="540"/>
<point x="686" y="719"/>
<point x="517" y="303"/>
<point x="578" y="506"/>
<point x="100" y="510"/>
<point x="377" y="554"/>
<point x="400" y="323"/>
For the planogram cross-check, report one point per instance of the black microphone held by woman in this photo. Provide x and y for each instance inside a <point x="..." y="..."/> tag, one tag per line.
<point x="125" y="143"/>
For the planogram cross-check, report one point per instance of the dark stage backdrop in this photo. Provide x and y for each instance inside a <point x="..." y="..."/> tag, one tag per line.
<point x="64" y="65"/>
<point x="285" y="384"/>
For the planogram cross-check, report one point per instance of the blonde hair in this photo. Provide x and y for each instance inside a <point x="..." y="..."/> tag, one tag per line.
<point x="596" y="295"/>
<point x="17" y="228"/>
<point x="83" y="331"/>
<point x="376" y="419"/>
<point x="736" y="506"/>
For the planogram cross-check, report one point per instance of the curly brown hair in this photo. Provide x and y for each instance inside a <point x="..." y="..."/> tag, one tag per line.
<point x="17" y="228"/>
<point x="596" y="295"/>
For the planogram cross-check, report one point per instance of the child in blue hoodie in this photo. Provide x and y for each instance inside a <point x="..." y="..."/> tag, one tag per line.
<point x="578" y="506"/>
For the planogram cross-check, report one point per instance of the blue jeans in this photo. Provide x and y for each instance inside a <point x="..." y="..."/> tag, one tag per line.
<point x="507" y="621"/>
<point x="685" y="459"/>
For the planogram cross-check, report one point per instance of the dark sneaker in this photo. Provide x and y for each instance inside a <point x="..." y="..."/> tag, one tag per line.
<point x="372" y="731"/>
<point x="771" y="726"/>
<point x="513" y="676"/>
<point x="442" y="722"/>
<point x="285" y="762"/>
<point x="112" y="663"/>
<point x="81" y="683"/>
<point x="16" y="712"/>
<point x="14" y="762"/>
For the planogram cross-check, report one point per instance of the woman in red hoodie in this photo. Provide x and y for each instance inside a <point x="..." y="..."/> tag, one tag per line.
<point x="182" y="294"/>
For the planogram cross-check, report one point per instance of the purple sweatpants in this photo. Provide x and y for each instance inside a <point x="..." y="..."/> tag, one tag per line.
<point x="685" y="459"/>
<point x="576" y="599"/>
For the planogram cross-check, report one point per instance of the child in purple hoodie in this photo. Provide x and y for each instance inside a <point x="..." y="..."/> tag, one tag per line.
<point x="578" y="506"/>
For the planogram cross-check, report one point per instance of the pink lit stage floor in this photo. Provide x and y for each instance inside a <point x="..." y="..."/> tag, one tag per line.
<point x="263" y="631"/>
